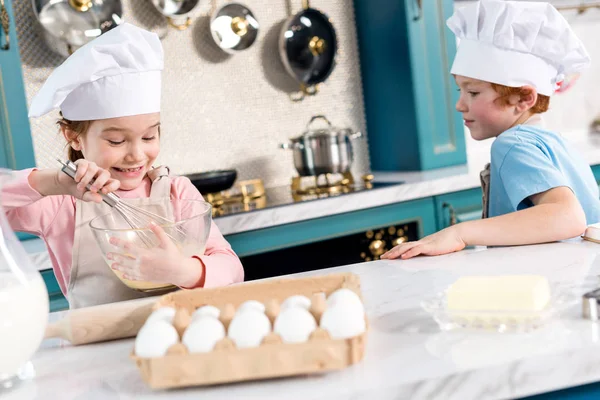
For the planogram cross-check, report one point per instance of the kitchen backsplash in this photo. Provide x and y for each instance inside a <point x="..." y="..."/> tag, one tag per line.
<point x="220" y="111"/>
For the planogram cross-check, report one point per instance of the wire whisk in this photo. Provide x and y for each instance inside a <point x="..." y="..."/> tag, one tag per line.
<point x="137" y="218"/>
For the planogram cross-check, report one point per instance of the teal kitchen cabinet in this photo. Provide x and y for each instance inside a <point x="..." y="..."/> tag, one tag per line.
<point x="16" y="147"/>
<point x="596" y="171"/>
<point x="406" y="52"/>
<point x="279" y="237"/>
<point x="456" y="207"/>
<point x="56" y="298"/>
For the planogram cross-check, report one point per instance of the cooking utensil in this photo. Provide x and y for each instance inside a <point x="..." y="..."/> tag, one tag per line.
<point x="178" y="12"/>
<point x="591" y="306"/>
<point x="191" y="229"/>
<point x="323" y="150"/>
<point x="234" y="28"/>
<point x="213" y="181"/>
<point x="138" y="218"/>
<point x="104" y="322"/>
<point x="308" y="48"/>
<point x="69" y="24"/>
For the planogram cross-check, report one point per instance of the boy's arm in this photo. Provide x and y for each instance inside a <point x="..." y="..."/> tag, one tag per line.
<point x="556" y="215"/>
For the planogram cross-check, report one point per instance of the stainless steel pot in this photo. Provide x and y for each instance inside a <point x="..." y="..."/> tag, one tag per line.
<point x="179" y="13"/>
<point x="234" y="28"/>
<point x="69" y="24"/>
<point x="324" y="150"/>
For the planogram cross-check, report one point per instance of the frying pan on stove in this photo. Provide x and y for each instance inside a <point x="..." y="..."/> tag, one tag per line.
<point x="308" y="47"/>
<point x="213" y="181"/>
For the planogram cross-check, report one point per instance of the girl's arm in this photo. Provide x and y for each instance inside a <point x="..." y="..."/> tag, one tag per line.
<point x="556" y="215"/>
<point x="218" y="266"/>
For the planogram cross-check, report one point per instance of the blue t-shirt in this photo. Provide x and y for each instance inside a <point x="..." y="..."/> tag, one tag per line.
<point x="527" y="160"/>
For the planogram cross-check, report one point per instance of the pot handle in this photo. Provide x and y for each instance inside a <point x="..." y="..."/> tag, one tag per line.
<point x="289" y="145"/>
<point x="315" y="118"/>
<point x="356" y="135"/>
<point x="180" y="27"/>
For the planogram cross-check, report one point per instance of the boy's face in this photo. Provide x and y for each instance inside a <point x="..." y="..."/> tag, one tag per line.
<point x="484" y="117"/>
<point x="125" y="146"/>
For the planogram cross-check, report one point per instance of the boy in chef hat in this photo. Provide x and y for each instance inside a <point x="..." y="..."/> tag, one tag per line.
<point x="512" y="57"/>
<point x="108" y="93"/>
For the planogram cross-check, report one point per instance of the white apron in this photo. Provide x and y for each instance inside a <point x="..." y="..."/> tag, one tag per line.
<point x="92" y="281"/>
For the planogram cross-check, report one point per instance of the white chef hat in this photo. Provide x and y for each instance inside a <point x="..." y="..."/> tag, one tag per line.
<point x="115" y="75"/>
<point x="516" y="43"/>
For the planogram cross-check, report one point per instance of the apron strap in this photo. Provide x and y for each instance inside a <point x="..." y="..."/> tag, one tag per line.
<point x="161" y="183"/>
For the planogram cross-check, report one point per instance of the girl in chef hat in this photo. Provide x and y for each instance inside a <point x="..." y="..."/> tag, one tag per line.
<point x="512" y="57"/>
<point x="108" y="93"/>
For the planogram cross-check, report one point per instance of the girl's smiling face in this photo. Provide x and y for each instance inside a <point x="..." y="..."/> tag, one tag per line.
<point x="483" y="114"/>
<point x="126" y="146"/>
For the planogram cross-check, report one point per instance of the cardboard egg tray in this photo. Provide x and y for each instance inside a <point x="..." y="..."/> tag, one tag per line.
<point x="273" y="358"/>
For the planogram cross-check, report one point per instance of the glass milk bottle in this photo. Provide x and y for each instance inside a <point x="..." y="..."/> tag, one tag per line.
<point x="23" y="301"/>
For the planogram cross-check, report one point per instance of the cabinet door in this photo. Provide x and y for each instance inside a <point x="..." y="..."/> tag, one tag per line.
<point x="299" y="233"/>
<point x="406" y="52"/>
<point x="16" y="148"/>
<point x="453" y="208"/>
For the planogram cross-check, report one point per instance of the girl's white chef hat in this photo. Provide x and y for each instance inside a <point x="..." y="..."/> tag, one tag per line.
<point x="516" y="43"/>
<point x="115" y="75"/>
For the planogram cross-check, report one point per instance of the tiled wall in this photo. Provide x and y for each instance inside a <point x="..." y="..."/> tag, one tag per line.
<point x="221" y="111"/>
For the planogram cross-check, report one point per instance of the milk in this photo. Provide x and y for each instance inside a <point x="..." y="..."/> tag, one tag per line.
<point x="23" y="318"/>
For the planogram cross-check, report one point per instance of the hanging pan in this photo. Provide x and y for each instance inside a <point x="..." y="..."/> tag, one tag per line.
<point x="308" y="48"/>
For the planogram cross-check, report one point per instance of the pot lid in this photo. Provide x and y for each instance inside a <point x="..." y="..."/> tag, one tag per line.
<point x="79" y="21"/>
<point x="329" y="130"/>
<point x="175" y="8"/>
<point x="234" y="28"/>
<point x="310" y="46"/>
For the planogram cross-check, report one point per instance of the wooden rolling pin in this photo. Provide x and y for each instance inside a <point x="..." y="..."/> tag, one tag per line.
<point x="104" y="322"/>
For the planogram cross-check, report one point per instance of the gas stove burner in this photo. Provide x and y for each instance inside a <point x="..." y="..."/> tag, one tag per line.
<point x="243" y="196"/>
<point x="326" y="185"/>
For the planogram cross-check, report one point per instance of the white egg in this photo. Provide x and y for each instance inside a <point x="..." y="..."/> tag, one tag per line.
<point x="294" y="324"/>
<point x="251" y="304"/>
<point x="155" y="338"/>
<point x="347" y="297"/>
<point x="163" y="313"/>
<point x="296" y="301"/>
<point x="202" y="334"/>
<point x="206" y="311"/>
<point x="343" y="321"/>
<point x="248" y="328"/>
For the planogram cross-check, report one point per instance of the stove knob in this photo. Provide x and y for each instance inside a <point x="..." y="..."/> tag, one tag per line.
<point x="399" y="240"/>
<point x="377" y="248"/>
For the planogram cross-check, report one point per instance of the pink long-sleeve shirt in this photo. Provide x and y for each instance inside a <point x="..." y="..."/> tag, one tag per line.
<point x="52" y="218"/>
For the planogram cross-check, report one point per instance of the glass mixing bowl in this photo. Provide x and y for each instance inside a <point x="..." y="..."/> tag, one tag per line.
<point x="189" y="231"/>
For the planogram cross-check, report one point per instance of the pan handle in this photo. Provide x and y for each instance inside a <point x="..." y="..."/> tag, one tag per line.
<point x="418" y="4"/>
<point x="180" y="27"/>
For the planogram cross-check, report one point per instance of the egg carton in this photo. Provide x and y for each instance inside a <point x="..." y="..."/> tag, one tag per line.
<point x="273" y="358"/>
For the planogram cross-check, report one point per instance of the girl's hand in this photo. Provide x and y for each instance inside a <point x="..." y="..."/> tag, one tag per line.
<point x="87" y="172"/>
<point x="445" y="241"/>
<point x="162" y="264"/>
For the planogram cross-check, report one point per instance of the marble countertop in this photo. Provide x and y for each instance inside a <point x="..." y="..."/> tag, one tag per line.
<point x="407" y="355"/>
<point x="411" y="186"/>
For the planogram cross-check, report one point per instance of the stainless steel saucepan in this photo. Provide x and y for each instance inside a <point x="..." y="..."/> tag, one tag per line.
<point x="323" y="150"/>
<point x="67" y="25"/>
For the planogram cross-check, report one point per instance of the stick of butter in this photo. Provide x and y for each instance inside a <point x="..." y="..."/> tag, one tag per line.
<point x="499" y="293"/>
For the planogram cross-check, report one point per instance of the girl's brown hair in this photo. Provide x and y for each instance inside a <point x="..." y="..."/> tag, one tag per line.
<point x="541" y="105"/>
<point x="78" y="128"/>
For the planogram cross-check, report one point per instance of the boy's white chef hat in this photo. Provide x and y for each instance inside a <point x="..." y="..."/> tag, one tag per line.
<point x="115" y="75"/>
<point x="516" y="43"/>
